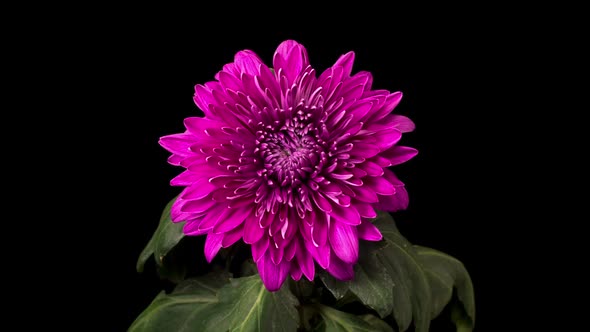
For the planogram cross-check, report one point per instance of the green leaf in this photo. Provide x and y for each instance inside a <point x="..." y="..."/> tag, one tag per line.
<point x="338" y="321"/>
<point x="412" y="283"/>
<point x="377" y="323"/>
<point x="446" y="273"/>
<point x="389" y="278"/>
<point x="165" y="238"/>
<point x="253" y="308"/>
<point x="193" y="306"/>
<point x="210" y="303"/>
<point x="462" y="321"/>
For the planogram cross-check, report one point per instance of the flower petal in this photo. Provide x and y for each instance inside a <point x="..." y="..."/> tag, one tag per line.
<point x="402" y="123"/>
<point x="292" y="58"/>
<point x="259" y="248"/>
<point x="295" y="271"/>
<point x="252" y="229"/>
<point x="319" y="230"/>
<point x="390" y="103"/>
<point x="272" y="275"/>
<point x="305" y="260"/>
<point x="396" y="202"/>
<point x="371" y="168"/>
<point x="231" y="218"/>
<point x="346" y="61"/>
<point x="344" y="242"/>
<point x="185" y="178"/>
<point x="365" y="210"/>
<point x="368" y="231"/>
<point x="364" y="150"/>
<point x="346" y="215"/>
<point x="340" y="270"/>
<point x="321" y="202"/>
<point x="399" y="154"/>
<point x="380" y="185"/>
<point x="178" y="143"/>
<point x="212" y="245"/>
<point x="197" y="205"/>
<point x="387" y="138"/>
<point x="365" y="194"/>
<point x="232" y="236"/>
<point x="321" y="254"/>
<point x="247" y="62"/>
<point x="198" y="189"/>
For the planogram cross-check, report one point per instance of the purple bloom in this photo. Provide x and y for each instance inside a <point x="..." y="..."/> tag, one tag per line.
<point x="293" y="163"/>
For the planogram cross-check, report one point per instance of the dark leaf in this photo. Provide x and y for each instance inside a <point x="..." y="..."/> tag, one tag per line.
<point x="165" y="238"/>
<point x="210" y="303"/>
<point x="338" y="321"/>
<point x="446" y="273"/>
<point x="193" y="306"/>
<point x="414" y="284"/>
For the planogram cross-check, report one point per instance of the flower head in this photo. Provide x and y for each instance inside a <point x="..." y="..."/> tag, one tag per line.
<point x="292" y="162"/>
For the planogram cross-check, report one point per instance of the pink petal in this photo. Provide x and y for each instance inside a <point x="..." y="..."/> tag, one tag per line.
<point x="346" y="61"/>
<point x="364" y="150"/>
<point x="371" y="168"/>
<point x="360" y="109"/>
<point x="232" y="237"/>
<point x="185" y="178"/>
<point x="344" y="241"/>
<point x="252" y="230"/>
<point x="387" y="138"/>
<point x="402" y="123"/>
<point x="248" y="62"/>
<point x="176" y="213"/>
<point x="259" y="248"/>
<point x="368" y="231"/>
<point x="192" y="228"/>
<point x="295" y="271"/>
<point x="212" y="245"/>
<point x="198" y="189"/>
<point x="198" y="205"/>
<point x="276" y="254"/>
<point x="272" y="275"/>
<point x="347" y="215"/>
<point x="396" y="202"/>
<point x="229" y="81"/>
<point x="365" y="194"/>
<point x="340" y="270"/>
<point x="390" y="103"/>
<point x="231" y="218"/>
<point x="175" y="159"/>
<point x="321" y="202"/>
<point x="369" y="83"/>
<point x="380" y="185"/>
<point x="319" y="232"/>
<point x="178" y="143"/>
<point x="365" y="210"/>
<point x="381" y="161"/>
<point x="399" y="154"/>
<point x="203" y="99"/>
<point x="197" y="126"/>
<point x="292" y="58"/>
<point x="305" y="260"/>
<point x="212" y="216"/>
<point x="357" y="172"/>
<point x="321" y="254"/>
<point x="291" y="250"/>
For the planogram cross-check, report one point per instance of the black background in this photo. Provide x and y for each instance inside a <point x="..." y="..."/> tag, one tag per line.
<point x="130" y="80"/>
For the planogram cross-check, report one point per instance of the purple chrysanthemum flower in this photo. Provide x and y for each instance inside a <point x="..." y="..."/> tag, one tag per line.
<point x="292" y="163"/>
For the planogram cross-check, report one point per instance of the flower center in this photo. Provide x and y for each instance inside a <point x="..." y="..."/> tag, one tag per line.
<point x="290" y="153"/>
